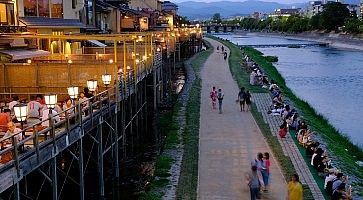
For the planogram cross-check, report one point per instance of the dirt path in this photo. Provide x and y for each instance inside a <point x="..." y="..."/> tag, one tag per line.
<point x="229" y="141"/>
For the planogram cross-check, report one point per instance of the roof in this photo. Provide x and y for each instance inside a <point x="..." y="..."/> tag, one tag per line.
<point x="103" y="6"/>
<point x="20" y="54"/>
<point x="97" y="43"/>
<point x="45" y="22"/>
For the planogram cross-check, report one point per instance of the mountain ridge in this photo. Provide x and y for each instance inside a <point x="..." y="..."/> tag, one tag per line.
<point x="195" y="10"/>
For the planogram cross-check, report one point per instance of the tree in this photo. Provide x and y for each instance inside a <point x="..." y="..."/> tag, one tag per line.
<point x="334" y="16"/>
<point x="217" y="18"/>
<point x="352" y="25"/>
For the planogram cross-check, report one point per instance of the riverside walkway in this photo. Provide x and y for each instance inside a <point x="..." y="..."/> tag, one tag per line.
<point x="229" y="141"/>
<point x="262" y="101"/>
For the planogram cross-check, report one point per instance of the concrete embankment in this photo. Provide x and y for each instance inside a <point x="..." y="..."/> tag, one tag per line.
<point x="335" y="40"/>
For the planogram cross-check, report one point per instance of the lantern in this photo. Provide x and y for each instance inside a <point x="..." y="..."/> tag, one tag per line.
<point x="92" y="85"/>
<point x="50" y="100"/>
<point x="20" y="111"/>
<point x="106" y="78"/>
<point x="73" y="92"/>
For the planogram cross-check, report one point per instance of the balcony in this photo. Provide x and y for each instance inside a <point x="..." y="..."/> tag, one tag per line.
<point x="12" y="29"/>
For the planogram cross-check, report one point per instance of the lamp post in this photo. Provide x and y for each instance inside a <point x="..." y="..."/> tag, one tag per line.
<point x="73" y="92"/>
<point x="21" y="111"/>
<point x="92" y="85"/>
<point x="106" y="79"/>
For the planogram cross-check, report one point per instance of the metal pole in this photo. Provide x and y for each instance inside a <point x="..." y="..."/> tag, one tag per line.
<point x="100" y="160"/>
<point x="54" y="177"/>
<point x="80" y="156"/>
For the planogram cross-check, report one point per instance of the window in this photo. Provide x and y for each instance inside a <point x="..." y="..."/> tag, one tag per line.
<point x="6" y="14"/>
<point x="57" y="8"/>
<point x="89" y="9"/>
<point x="43" y="8"/>
<point x="30" y="8"/>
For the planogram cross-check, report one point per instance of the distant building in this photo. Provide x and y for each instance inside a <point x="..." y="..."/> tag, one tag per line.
<point x="286" y="12"/>
<point x="361" y="8"/>
<point x="314" y="8"/>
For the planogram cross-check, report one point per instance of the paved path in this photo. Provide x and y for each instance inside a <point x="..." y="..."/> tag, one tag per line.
<point x="262" y="101"/>
<point x="229" y="141"/>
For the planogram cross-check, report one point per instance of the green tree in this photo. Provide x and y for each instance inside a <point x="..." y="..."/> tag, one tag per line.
<point x="315" y="22"/>
<point x="334" y="15"/>
<point x="217" y="18"/>
<point x="352" y="25"/>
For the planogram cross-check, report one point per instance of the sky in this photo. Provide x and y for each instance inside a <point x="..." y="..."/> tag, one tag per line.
<point x="279" y="1"/>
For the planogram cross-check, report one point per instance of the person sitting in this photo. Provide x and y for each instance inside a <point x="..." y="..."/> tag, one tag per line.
<point x="68" y="107"/>
<point x="320" y="160"/>
<point x="311" y="148"/>
<point x="253" y="78"/>
<point x="340" y="193"/>
<point x="34" y="108"/>
<point x="45" y="116"/>
<point x="5" y="118"/>
<point x="13" y="103"/>
<point x="302" y="125"/>
<point x="306" y="138"/>
<point x="286" y="112"/>
<point x="13" y="131"/>
<point x="283" y="130"/>
<point x="330" y="177"/>
<point x="83" y="100"/>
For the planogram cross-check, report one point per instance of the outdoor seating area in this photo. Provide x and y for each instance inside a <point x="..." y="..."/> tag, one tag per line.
<point x="294" y="124"/>
<point x="27" y="123"/>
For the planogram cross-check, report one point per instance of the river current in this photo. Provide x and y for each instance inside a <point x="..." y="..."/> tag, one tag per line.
<point x="329" y="79"/>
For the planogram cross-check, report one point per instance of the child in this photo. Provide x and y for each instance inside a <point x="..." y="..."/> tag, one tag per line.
<point x="266" y="175"/>
<point x="213" y="96"/>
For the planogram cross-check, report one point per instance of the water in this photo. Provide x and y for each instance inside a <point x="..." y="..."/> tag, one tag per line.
<point x="330" y="79"/>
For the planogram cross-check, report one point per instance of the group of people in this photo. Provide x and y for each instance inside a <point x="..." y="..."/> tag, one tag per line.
<point x="335" y="182"/>
<point x="243" y="98"/>
<point x="37" y="113"/>
<point x="223" y="51"/>
<point x="259" y="178"/>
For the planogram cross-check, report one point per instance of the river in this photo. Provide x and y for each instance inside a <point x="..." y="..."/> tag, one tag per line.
<point x="329" y="79"/>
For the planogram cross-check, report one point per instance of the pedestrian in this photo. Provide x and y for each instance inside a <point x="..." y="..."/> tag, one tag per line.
<point x="217" y="48"/>
<point x="213" y="95"/>
<point x="242" y="98"/>
<point x="222" y="48"/>
<point x="225" y="56"/>
<point x="266" y="175"/>
<point x="253" y="183"/>
<point x="294" y="189"/>
<point x="248" y="100"/>
<point x="220" y="97"/>
<point x="261" y="169"/>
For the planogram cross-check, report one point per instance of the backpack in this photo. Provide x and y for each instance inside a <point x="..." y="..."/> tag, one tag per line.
<point x="329" y="187"/>
<point x="220" y="96"/>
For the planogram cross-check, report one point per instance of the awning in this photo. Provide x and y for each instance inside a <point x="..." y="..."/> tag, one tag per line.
<point x="24" y="54"/>
<point x="46" y="22"/>
<point x="97" y="43"/>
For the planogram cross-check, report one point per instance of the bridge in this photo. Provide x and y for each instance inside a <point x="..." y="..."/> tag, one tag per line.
<point x="95" y="136"/>
<point x="220" y="27"/>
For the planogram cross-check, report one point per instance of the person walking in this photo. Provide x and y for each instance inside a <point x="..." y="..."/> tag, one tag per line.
<point x="253" y="183"/>
<point x="220" y="97"/>
<point x="213" y="96"/>
<point x="294" y="189"/>
<point x="225" y="56"/>
<point x="222" y="49"/>
<point x="242" y="98"/>
<point x="266" y="175"/>
<point x="248" y="100"/>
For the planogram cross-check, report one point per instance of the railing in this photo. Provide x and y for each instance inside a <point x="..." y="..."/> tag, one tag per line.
<point x="13" y="150"/>
<point x="12" y="29"/>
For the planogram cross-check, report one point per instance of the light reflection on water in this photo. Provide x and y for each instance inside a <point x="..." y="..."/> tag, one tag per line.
<point x="331" y="80"/>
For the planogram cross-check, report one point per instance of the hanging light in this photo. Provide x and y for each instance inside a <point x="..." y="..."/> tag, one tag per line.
<point x="20" y="111"/>
<point x="110" y="61"/>
<point x="73" y="92"/>
<point x="158" y="49"/>
<point x="92" y="85"/>
<point x="50" y="100"/>
<point x="29" y="61"/>
<point x="128" y="67"/>
<point x="70" y="61"/>
<point x="106" y="78"/>
<point x="137" y="61"/>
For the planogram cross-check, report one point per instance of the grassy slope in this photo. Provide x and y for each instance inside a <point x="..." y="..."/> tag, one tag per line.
<point x="338" y="144"/>
<point x="187" y="188"/>
<point x="242" y="78"/>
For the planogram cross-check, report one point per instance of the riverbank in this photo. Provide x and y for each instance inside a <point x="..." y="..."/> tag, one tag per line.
<point x="242" y="78"/>
<point x="334" y="40"/>
<point x="346" y="153"/>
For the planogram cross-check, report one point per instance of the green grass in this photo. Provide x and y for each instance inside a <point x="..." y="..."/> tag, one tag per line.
<point x="336" y="141"/>
<point x="188" y="181"/>
<point x="242" y="78"/>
